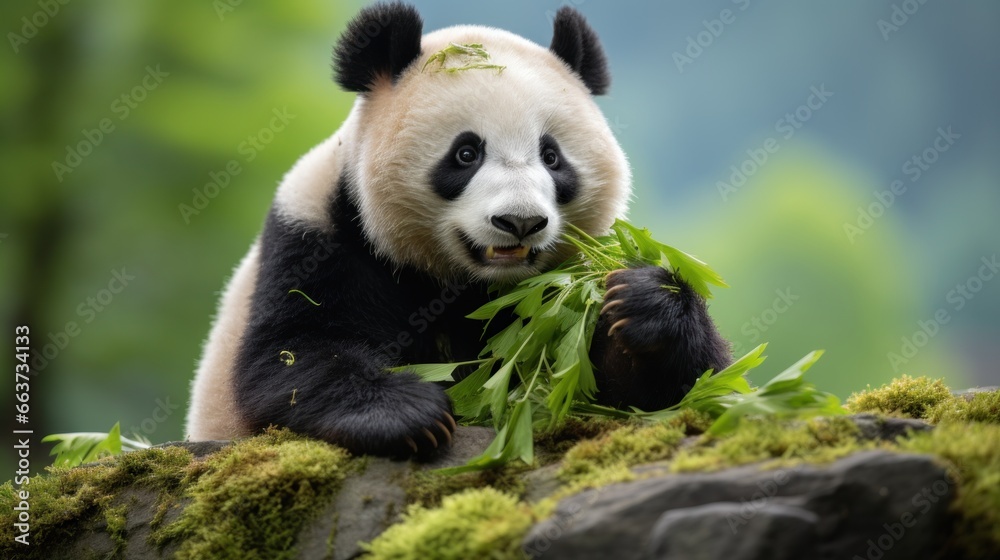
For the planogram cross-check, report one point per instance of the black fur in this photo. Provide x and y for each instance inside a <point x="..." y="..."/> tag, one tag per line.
<point x="370" y="316"/>
<point x="667" y="341"/>
<point x="567" y="184"/>
<point x="449" y="177"/>
<point x="382" y="40"/>
<point x="574" y="41"/>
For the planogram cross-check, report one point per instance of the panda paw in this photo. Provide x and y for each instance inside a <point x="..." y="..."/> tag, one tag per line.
<point x="410" y="419"/>
<point x="644" y="308"/>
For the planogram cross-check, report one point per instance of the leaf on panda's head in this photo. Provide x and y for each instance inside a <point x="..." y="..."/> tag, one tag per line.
<point x="471" y="55"/>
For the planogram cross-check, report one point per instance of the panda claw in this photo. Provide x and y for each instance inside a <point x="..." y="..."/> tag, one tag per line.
<point x="444" y="430"/>
<point x="613" y="289"/>
<point x="451" y="421"/>
<point x="610" y="305"/>
<point x="621" y="323"/>
<point x="431" y="437"/>
<point x="412" y="444"/>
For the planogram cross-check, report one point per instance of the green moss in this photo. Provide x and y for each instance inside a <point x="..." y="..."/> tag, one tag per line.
<point x="250" y="498"/>
<point x="114" y="518"/>
<point x="64" y="500"/>
<point x="819" y="440"/>
<point x="550" y="446"/>
<point x="484" y="523"/>
<point x="979" y="407"/>
<point x="910" y="396"/>
<point x="693" y="422"/>
<point x="254" y="497"/>
<point x="591" y="462"/>
<point x="973" y="453"/>
<point x="428" y="488"/>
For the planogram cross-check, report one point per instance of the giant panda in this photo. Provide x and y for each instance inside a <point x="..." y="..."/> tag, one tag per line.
<point x="383" y="238"/>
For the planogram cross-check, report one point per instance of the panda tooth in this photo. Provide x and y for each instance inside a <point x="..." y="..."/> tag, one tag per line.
<point x="490" y="253"/>
<point x="523" y="251"/>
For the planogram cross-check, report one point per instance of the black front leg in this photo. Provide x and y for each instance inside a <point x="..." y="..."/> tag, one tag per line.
<point x="653" y="339"/>
<point x="340" y="392"/>
<point x="314" y="357"/>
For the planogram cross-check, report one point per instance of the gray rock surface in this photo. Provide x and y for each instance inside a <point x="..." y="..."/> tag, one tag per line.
<point x="876" y="505"/>
<point x="369" y="503"/>
<point x="887" y="429"/>
<point x="776" y="531"/>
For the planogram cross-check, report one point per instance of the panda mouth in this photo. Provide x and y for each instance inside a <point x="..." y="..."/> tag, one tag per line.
<point x="503" y="254"/>
<point x="499" y="255"/>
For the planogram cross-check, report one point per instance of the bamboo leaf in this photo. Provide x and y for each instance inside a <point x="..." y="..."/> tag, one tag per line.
<point x="434" y="372"/>
<point x="74" y="449"/>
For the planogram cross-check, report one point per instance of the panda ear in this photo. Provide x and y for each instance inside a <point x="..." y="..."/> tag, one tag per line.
<point x="381" y="41"/>
<point x="574" y="41"/>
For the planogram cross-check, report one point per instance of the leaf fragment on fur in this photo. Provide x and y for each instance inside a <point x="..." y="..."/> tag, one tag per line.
<point x="303" y="294"/>
<point x="469" y="56"/>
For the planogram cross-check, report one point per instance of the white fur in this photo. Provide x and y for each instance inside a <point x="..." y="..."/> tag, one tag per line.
<point x="213" y="414"/>
<point x="305" y="193"/>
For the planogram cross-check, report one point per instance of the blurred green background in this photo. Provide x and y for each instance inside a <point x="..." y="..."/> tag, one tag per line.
<point x="183" y="89"/>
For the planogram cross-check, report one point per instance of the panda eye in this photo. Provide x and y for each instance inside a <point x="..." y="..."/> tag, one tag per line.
<point x="467" y="155"/>
<point x="550" y="158"/>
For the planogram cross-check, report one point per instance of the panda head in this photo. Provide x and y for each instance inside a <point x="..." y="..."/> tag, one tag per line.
<point x="474" y="174"/>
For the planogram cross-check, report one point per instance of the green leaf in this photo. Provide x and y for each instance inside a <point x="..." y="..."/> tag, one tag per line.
<point x="531" y="302"/>
<point x="504" y="342"/>
<point x="490" y="309"/>
<point x="467" y="394"/>
<point x="689" y="268"/>
<point x="496" y="388"/>
<point x="76" y="449"/>
<point x="513" y="441"/>
<point x="548" y="347"/>
<point x="785" y="395"/>
<point x="434" y="372"/>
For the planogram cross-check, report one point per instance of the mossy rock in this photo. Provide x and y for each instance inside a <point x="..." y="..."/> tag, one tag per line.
<point x="280" y="495"/>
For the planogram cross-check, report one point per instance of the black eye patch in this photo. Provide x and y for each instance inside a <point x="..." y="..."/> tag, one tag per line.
<point x="458" y="165"/>
<point x="563" y="174"/>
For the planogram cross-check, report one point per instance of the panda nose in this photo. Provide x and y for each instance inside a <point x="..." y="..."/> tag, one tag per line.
<point x="518" y="226"/>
